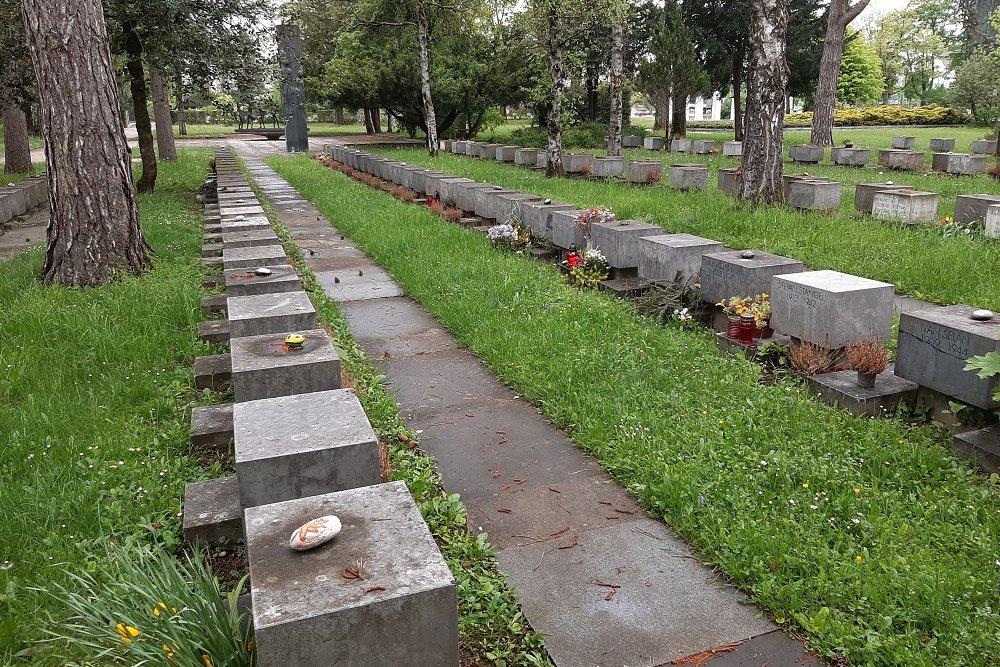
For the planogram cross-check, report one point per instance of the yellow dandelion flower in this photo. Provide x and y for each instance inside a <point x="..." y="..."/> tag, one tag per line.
<point x="858" y="558"/>
<point x="857" y="490"/>
<point x="805" y="485"/>
<point x="127" y="632"/>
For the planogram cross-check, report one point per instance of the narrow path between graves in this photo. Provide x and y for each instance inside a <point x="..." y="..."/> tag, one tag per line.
<point x="604" y="584"/>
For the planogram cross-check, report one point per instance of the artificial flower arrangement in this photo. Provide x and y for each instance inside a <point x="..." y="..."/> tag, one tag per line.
<point x="758" y="306"/>
<point x="511" y="235"/>
<point x="590" y="216"/>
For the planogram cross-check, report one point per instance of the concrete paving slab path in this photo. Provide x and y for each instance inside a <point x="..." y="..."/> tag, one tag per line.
<point x="603" y="583"/>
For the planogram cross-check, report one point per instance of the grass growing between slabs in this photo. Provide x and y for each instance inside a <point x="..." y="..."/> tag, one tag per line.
<point x="491" y="625"/>
<point x="868" y="535"/>
<point x="917" y="259"/>
<point x="95" y="390"/>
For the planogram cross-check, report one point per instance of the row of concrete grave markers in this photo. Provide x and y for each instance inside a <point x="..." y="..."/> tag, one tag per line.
<point x="304" y="449"/>
<point x="902" y="156"/>
<point x="884" y="201"/>
<point x="18" y="198"/>
<point x="826" y="308"/>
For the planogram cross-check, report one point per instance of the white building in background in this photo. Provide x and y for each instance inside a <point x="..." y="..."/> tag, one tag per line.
<point x="701" y="108"/>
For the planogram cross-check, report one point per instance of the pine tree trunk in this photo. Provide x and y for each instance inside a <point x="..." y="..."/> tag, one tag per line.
<point x="839" y="14"/>
<point x="182" y="128"/>
<point x="377" y="120"/>
<point x="161" y="112"/>
<point x="559" y="85"/>
<point x="369" y="128"/>
<point x="140" y="104"/>
<point x="93" y="230"/>
<point x="678" y="119"/>
<point x="425" y="81"/>
<point x="737" y="112"/>
<point x="615" y="85"/>
<point x="338" y="117"/>
<point x="762" y="143"/>
<point x="16" y="151"/>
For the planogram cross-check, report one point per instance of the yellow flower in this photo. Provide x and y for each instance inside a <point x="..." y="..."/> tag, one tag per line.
<point x="207" y="660"/>
<point x="902" y="442"/>
<point x="805" y="485"/>
<point x="163" y="606"/>
<point x="170" y="652"/>
<point x="127" y="632"/>
<point x="857" y="490"/>
<point x="858" y="558"/>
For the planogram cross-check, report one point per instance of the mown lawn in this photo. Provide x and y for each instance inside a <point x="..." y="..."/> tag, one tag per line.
<point x="219" y="130"/>
<point x="866" y="534"/>
<point x="919" y="260"/>
<point x="95" y="389"/>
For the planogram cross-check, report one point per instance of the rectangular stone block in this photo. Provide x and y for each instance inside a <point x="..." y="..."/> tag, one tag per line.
<point x="608" y="167"/>
<point x="526" y="157"/>
<point x="212" y="371"/>
<point x="993" y="222"/>
<point x="632" y="141"/>
<point x="241" y="223"/>
<point x="489" y="151"/>
<point x="806" y="153"/>
<point x="212" y="427"/>
<point x="577" y="163"/>
<point x="541" y="160"/>
<point x="487" y="205"/>
<point x="250" y="239"/>
<point x="742" y="273"/>
<point x="263" y="367"/>
<point x="303" y="445"/>
<point x="729" y="181"/>
<point x="465" y="194"/>
<point x="403" y="613"/>
<point x="904" y="143"/>
<point x="983" y="444"/>
<point x="900" y="159"/>
<point x="241" y="210"/>
<point x="619" y="240"/>
<point x="942" y="145"/>
<point x="212" y="512"/>
<point x="510" y="206"/>
<point x="564" y="230"/>
<point x="213" y="331"/>
<point x="506" y="153"/>
<point x="814" y="195"/>
<point x="786" y="181"/>
<point x="732" y="148"/>
<point x="831" y="309"/>
<point x="906" y="206"/>
<point x="864" y="194"/>
<point x="969" y="208"/>
<point x="674" y="257"/>
<point x="689" y="176"/>
<point x="471" y="148"/>
<point x="458" y="147"/>
<point x="16" y="200"/>
<point x="934" y="346"/>
<point x="680" y="145"/>
<point x="537" y="216"/>
<point x="984" y="147"/>
<point x="703" y="147"/>
<point x="243" y="282"/>
<point x="645" y="171"/>
<point x="281" y="312"/>
<point x="841" y="389"/>
<point x="654" y="143"/>
<point x="239" y="258"/>
<point x="851" y="157"/>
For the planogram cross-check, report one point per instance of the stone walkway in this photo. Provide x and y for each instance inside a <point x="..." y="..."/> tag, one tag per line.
<point x="603" y="583"/>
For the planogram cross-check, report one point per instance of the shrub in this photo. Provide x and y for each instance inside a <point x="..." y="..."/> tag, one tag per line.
<point x="932" y="114"/>
<point x="869" y="357"/>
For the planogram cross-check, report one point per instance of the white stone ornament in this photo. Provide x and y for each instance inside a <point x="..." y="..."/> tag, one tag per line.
<point x="982" y="315"/>
<point x="263" y="271"/>
<point x="314" y="533"/>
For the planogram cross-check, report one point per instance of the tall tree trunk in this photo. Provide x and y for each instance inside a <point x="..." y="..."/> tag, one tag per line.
<point x="615" y="86"/>
<point x="339" y="116"/>
<point x="161" y="112"/>
<point x="140" y="104"/>
<point x="658" y="115"/>
<point x="559" y="85"/>
<point x="377" y="120"/>
<point x="93" y="229"/>
<point x="762" y="143"/>
<point x="839" y="14"/>
<point x="16" y="151"/>
<point x="425" y="81"/>
<point x="591" y="94"/>
<point x="182" y="128"/>
<point x="737" y="112"/>
<point x="678" y="119"/>
<point x="388" y="122"/>
<point x="369" y="127"/>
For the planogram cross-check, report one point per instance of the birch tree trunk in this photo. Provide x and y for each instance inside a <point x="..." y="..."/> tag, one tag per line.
<point x="559" y="86"/>
<point x="615" y="85"/>
<point x="16" y="151"/>
<point x="93" y="231"/>
<point x="182" y="128"/>
<point x="839" y="15"/>
<point x="762" y="143"/>
<point x="140" y="104"/>
<point x="425" y="81"/>
<point x="161" y="112"/>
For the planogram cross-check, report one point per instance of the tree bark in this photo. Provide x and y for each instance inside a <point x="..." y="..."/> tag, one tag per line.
<point x="737" y="112"/>
<point x="161" y="112"/>
<point x="93" y="231"/>
<point x="559" y="85"/>
<point x="182" y="128"/>
<point x="425" y="81"/>
<point x="338" y="117"/>
<point x="376" y="120"/>
<point x="140" y="104"/>
<point x="839" y="14"/>
<point x="615" y="84"/>
<point x="16" y="152"/>
<point x="369" y="128"/>
<point x="678" y="119"/>
<point x="762" y="143"/>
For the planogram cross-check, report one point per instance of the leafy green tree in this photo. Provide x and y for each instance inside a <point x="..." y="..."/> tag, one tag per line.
<point x="860" y="80"/>
<point x="17" y="88"/>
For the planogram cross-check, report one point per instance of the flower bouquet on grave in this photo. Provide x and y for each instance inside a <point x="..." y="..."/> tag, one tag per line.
<point x="588" y="269"/>
<point x="590" y="216"/>
<point x="749" y="317"/>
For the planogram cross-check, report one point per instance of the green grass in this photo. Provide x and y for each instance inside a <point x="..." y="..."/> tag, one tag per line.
<point x="889" y="554"/>
<point x="95" y="389"/>
<point x="917" y="259"/>
<point x="221" y="130"/>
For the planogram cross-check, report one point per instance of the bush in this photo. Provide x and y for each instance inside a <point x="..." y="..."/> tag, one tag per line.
<point x="931" y="114"/>
<point x="585" y="135"/>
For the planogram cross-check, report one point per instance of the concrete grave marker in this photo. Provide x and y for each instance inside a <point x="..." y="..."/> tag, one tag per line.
<point x="645" y="171"/>
<point x="732" y="148"/>
<point x="654" y="143"/>
<point x="942" y="145"/>
<point x="608" y="167"/>
<point x="263" y="367"/>
<point x="680" y="145"/>
<point x="280" y="312"/>
<point x="526" y="157"/>
<point x="864" y="194"/>
<point x="906" y="206"/>
<point x="703" y="147"/>
<point x="564" y="230"/>
<point x="688" y="176"/>
<point x="813" y="195"/>
<point x="806" y="153"/>
<point x="904" y="143"/>
<point x="851" y="157"/>
<point x="984" y="147"/>
<point x="674" y="257"/>
<point x="239" y="258"/>
<point x="246" y="282"/>
<point x="969" y="208"/>
<point x="902" y="160"/>
<point x="730" y="273"/>
<point x="631" y="141"/>
<point x="577" y="163"/>
<point x="993" y="222"/>
<point x="619" y="240"/>
<point x="729" y="181"/>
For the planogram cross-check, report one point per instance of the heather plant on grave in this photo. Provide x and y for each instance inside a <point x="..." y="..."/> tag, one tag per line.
<point x="148" y="607"/>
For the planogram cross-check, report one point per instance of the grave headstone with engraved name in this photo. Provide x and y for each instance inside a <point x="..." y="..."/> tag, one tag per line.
<point x="906" y="206"/>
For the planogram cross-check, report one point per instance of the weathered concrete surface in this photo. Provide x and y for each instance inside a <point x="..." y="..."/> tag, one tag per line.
<point x="674" y="257"/>
<point x="212" y="426"/>
<point x="841" y="389"/>
<point x="806" y="153"/>
<point x="212" y="511"/>
<point x="619" y="240"/>
<point x="983" y="444"/>
<point x="608" y="167"/>
<point x="864" y="194"/>
<point x="689" y="176"/>
<point x="247" y="239"/>
<point x="906" y="206"/>
<point x="814" y="195"/>
<point x="262" y="367"/>
<point x="213" y="331"/>
<point x="212" y="371"/>
<point x="243" y="258"/>
<point x="728" y="274"/>
<point x="969" y="208"/>
<point x="281" y="312"/>
<point x="245" y="282"/>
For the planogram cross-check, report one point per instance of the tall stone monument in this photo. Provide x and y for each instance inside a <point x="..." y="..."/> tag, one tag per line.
<point x="293" y="92"/>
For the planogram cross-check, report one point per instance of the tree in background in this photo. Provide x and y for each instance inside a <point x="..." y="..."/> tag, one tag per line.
<point x="838" y="15"/>
<point x="860" y="80"/>
<point x="616" y="78"/>
<point x="93" y="230"/>
<point x="762" y="146"/>
<point x="17" y="88"/>
<point x="977" y="84"/>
